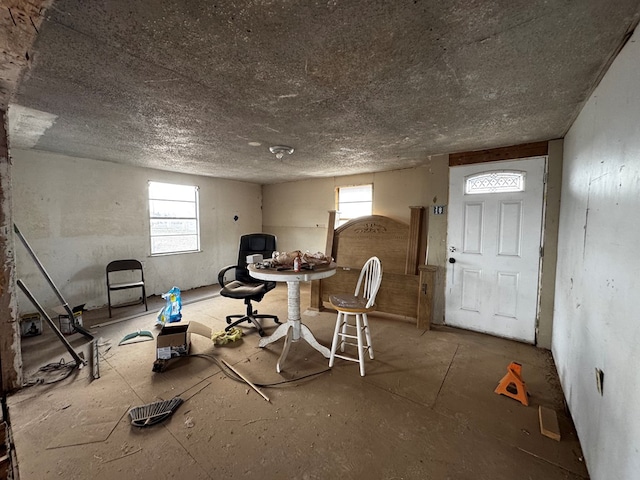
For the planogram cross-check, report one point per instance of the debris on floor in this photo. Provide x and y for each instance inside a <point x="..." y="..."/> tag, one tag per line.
<point x="549" y="423"/>
<point x="245" y="380"/>
<point x="223" y="337"/>
<point x="145" y="335"/>
<point x="104" y="344"/>
<point x="126" y="450"/>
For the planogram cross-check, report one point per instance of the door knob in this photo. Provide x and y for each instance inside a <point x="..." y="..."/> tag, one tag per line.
<point x="452" y="260"/>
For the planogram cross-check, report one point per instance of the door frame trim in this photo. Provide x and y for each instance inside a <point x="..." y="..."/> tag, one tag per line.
<point x="513" y="152"/>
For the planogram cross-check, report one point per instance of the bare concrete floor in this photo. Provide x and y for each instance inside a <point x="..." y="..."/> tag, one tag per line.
<point x="425" y="410"/>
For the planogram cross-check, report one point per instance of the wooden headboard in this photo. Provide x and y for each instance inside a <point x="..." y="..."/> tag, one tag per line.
<point x="407" y="285"/>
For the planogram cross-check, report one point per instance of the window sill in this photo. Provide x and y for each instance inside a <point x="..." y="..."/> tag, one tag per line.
<point x="174" y="253"/>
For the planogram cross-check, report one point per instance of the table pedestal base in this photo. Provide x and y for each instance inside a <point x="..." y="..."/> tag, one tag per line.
<point x="293" y="329"/>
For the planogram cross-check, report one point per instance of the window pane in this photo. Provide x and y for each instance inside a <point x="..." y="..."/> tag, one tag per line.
<point x="357" y="193"/>
<point x="168" y="191"/>
<point x="495" y="182"/>
<point x="173" y="227"/>
<point x="173" y="222"/>
<point x="353" y="210"/>
<point x="354" y="201"/>
<point x="163" y="208"/>
<point x="172" y="244"/>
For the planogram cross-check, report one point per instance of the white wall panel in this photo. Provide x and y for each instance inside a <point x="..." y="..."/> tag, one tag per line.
<point x="596" y="302"/>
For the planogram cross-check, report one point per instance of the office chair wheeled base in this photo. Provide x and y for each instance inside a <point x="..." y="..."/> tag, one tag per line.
<point x="252" y="316"/>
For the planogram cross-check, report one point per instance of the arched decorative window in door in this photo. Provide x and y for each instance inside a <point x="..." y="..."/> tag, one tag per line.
<point x="495" y="182"/>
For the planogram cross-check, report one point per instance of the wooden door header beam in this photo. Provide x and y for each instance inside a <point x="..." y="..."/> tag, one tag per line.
<point x="504" y="153"/>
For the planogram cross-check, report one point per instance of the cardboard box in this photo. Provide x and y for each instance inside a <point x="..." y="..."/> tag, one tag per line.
<point x="174" y="340"/>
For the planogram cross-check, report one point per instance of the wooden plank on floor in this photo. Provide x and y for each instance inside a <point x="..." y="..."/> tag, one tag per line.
<point x="549" y="423"/>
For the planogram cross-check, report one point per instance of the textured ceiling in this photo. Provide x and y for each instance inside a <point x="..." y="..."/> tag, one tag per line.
<point x="353" y="86"/>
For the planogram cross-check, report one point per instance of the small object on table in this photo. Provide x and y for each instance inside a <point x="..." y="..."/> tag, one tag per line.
<point x="255" y="258"/>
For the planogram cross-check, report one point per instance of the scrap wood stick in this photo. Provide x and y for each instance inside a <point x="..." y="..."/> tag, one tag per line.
<point x="247" y="381"/>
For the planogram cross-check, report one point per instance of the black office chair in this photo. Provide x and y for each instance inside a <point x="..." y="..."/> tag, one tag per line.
<point x="245" y="286"/>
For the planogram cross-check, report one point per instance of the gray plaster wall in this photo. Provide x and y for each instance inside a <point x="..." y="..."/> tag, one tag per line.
<point x="297" y="212"/>
<point x="596" y="302"/>
<point x="79" y="214"/>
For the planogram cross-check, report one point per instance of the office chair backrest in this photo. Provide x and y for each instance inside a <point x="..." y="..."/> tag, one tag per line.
<point x="250" y="244"/>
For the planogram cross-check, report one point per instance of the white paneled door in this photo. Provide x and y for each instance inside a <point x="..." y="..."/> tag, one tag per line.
<point x="493" y="240"/>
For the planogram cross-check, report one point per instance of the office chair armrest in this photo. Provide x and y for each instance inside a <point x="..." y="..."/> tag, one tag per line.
<point x="222" y="273"/>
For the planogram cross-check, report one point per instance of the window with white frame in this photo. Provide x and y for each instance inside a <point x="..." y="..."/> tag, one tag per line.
<point x="173" y="218"/>
<point x="494" y="182"/>
<point x="353" y="201"/>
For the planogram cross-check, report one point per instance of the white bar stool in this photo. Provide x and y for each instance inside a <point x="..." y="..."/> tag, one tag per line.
<point x="356" y="306"/>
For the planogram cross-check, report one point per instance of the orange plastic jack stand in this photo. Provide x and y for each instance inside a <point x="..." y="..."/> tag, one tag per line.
<point x="513" y="381"/>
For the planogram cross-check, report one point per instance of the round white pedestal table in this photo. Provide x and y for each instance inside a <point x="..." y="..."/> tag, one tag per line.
<point x="293" y="328"/>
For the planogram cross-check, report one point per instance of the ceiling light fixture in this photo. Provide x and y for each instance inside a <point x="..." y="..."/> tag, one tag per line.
<point x="280" y="150"/>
